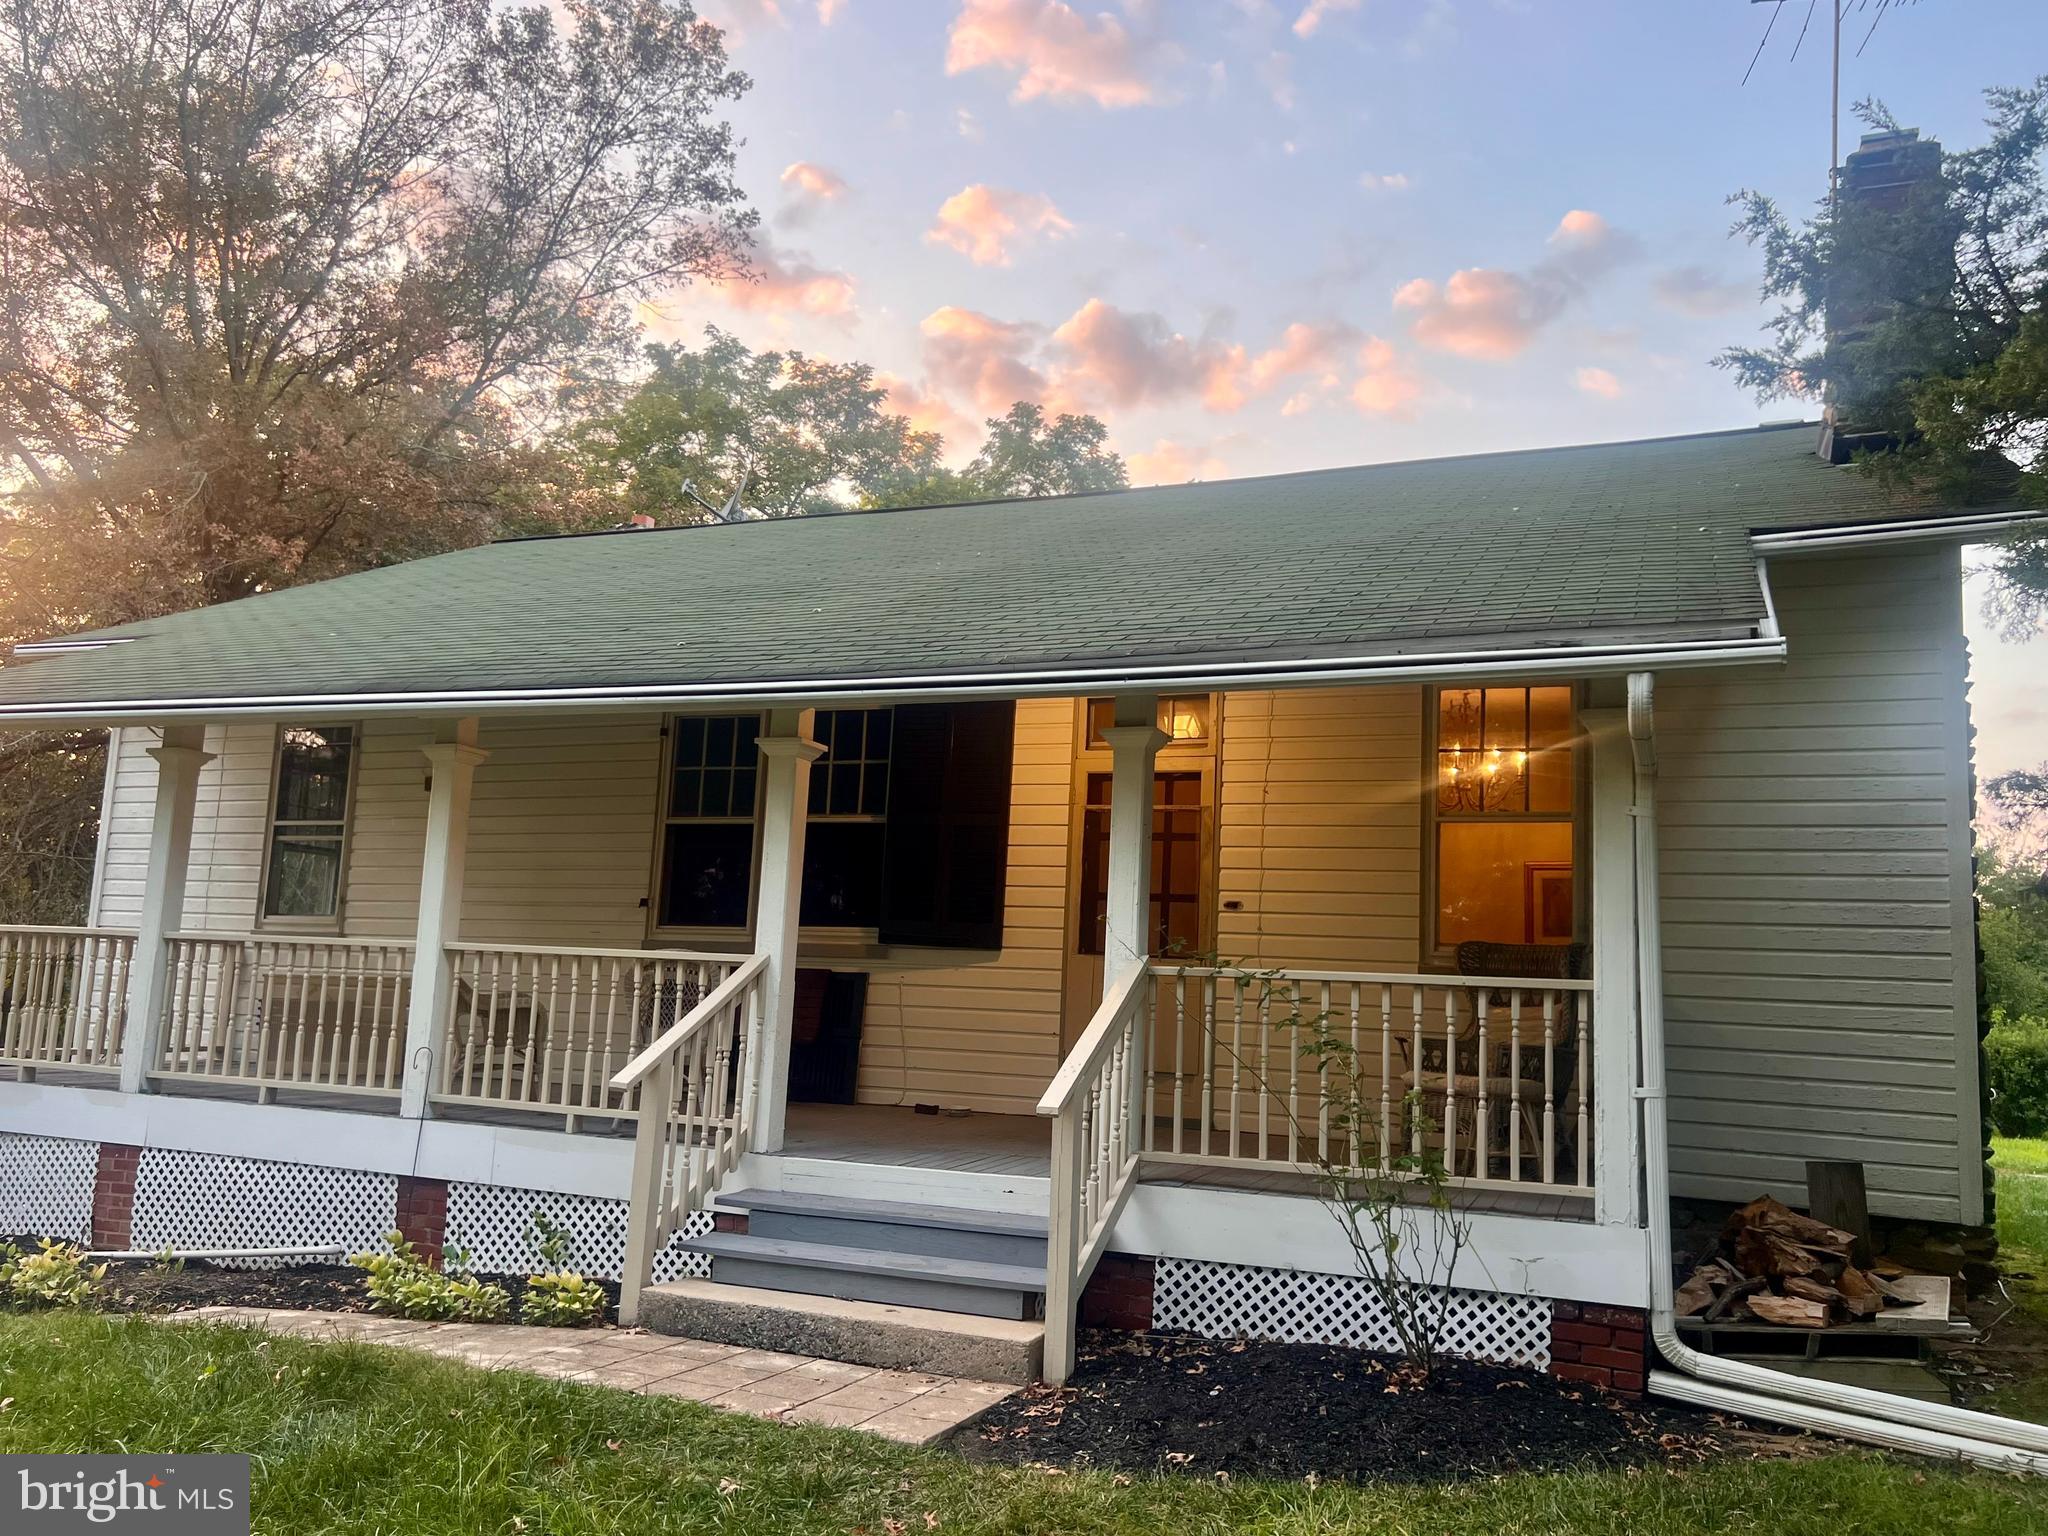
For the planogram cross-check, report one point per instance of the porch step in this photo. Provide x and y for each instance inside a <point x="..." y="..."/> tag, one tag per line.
<point x="899" y="1226"/>
<point x="914" y="1279"/>
<point x="873" y="1333"/>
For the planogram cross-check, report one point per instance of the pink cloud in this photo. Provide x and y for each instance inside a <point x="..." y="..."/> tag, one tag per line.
<point x="1128" y="358"/>
<point x="1302" y="351"/>
<point x="1054" y="51"/>
<point x="828" y="11"/>
<point x="1174" y="463"/>
<point x="788" y="283"/>
<point x="1480" y="312"/>
<point x="808" y="180"/>
<point x="981" y="358"/>
<point x="929" y="411"/>
<point x="1313" y="14"/>
<point x="1386" y="384"/>
<point x="984" y="222"/>
<point x="1598" y="381"/>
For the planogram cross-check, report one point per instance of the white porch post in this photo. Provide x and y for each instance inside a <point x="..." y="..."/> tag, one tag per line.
<point x="1617" y="1195"/>
<point x="452" y="762"/>
<point x="787" y="753"/>
<point x="1134" y="743"/>
<point x="178" y="762"/>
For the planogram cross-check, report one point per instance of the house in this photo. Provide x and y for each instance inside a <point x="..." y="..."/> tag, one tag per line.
<point x="920" y="910"/>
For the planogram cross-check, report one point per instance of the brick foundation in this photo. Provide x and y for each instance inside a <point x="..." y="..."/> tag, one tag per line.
<point x="1602" y="1346"/>
<point x="113" y="1196"/>
<point x="423" y="1215"/>
<point x="729" y="1221"/>
<point x="1119" y="1294"/>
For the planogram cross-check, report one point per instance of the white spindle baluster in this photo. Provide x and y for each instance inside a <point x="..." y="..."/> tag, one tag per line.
<point x="1549" y="1087"/>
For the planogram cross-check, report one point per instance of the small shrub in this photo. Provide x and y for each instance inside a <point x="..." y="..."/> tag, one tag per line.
<point x="402" y="1284"/>
<point x="2016" y="1067"/>
<point x="562" y="1299"/>
<point x="56" y="1275"/>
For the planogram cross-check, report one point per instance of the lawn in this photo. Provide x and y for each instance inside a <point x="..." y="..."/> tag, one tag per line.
<point x="350" y="1437"/>
<point x="2022" y="1193"/>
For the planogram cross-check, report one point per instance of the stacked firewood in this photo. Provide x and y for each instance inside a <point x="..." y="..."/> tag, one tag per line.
<point x="1775" y="1266"/>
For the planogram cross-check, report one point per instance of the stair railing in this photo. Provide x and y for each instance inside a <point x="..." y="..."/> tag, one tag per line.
<point x="1097" y="1105"/>
<point x="696" y="1118"/>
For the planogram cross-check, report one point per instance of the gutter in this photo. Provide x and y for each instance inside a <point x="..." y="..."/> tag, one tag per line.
<point x="1983" y="525"/>
<point x="1878" y="1418"/>
<point x="1546" y="661"/>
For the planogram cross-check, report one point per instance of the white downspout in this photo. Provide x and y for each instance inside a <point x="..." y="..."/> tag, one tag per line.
<point x="1880" y="1418"/>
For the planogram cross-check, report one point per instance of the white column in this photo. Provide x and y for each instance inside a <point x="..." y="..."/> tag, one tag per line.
<point x="451" y="763"/>
<point x="178" y="762"/>
<point x="1134" y="743"/>
<point x="787" y="753"/>
<point x="1616" y="1192"/>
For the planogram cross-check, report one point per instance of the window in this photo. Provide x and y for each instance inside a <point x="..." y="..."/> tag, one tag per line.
<point x="708" y="841"/>
<point x="309" y="822"/>
<point x="848" y="820"/>
<point x="1505" y="806"/>
<point x="1176" y="908"/>
<point x="707" y="850"/>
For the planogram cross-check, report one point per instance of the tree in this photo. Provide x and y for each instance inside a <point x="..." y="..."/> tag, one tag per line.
<point x="1023" y="455"/>
<point x="1924" y="316"/>
<point x="294" y="289"/>
<point x="790" y="434"/>
<point x="2012" y="889"/>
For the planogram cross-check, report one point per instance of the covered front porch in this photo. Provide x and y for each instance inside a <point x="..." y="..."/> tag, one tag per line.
<point x="1177" y="1053"/>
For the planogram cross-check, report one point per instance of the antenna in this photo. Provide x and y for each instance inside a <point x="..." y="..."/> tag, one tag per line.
<point x="1839" y="8"/>
<point x="730" y="512"/>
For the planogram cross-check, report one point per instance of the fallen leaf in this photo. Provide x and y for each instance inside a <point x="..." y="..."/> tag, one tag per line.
<point x="727" y="1487"/>
<point x="613" y="1445"/>
<point x="931" y="1520"/>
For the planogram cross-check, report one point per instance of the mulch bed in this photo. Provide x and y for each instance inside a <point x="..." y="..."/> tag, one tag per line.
<point x="1168" y="1403"/>
<point x="142" y="1285"/>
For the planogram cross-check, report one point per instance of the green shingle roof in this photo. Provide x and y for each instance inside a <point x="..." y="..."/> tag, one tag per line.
<point x="1571" y="546"/>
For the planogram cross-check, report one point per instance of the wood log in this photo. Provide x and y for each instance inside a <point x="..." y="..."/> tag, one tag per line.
<point x="1695" y="1296"/>
<point x="1808" y="1289"/>
<point x="1789" y="1311"/>
<point x="1737" y="1293"/>
<point x="1860" y="1295"/>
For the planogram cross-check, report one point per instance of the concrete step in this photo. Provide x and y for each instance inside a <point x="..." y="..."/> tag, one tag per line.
<point x="873" y="1274"/>
<point x="897" y="1226"/>
<point x="896" y="1338"/>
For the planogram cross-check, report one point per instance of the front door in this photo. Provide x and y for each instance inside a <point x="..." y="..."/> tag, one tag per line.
<point x="1183" y="858"/>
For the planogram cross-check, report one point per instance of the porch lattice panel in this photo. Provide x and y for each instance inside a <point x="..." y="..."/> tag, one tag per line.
<point x="493" y="1224"/>
<point x="197" y="1200"/>
<point x="46" y="1186"/>
<point x="1296" y="1307"/>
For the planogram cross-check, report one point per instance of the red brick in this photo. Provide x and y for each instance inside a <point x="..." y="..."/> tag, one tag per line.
<point x="1563" y="1349"/>
<point x="422" y="1214"/>
<point x="1119" y="1294"/>
<point x="1613" y="1359"/>
<point x="1628" y="1339"/>
<point x="1629" y="1383"/>
<point x="1565" y="1311"/>
<point x="1614" y="1317"/>
<point x="1581" y="1333"/>
<point x="113" y="1195"/>
<point x="729" y="1221"/>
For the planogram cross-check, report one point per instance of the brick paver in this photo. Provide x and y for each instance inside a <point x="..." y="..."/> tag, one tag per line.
<point x="902" y="1405"/>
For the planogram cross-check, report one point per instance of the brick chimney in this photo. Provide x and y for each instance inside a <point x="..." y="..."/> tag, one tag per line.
<point x="639" y="520"/>
<point x="1897" y="239"/>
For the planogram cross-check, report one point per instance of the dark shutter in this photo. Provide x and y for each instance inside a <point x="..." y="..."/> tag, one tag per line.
<point x="947" y="856"/>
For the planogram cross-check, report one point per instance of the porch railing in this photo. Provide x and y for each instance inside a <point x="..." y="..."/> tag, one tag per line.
<point x="63" y="996"/>
<point x="547" y="1029"/>
<point x="694" y="1092"/>
<point x="1305" y="1069"/>
<point x="316" y="1013"/>
<point x="1097" y="1105"/>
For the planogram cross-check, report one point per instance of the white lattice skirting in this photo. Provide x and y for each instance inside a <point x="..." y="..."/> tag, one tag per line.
<point x="494" y="1225"/>
<point x="1294" y="1307"/>
<point x="46" y="1186"/>
<point x="198" y="1200"/>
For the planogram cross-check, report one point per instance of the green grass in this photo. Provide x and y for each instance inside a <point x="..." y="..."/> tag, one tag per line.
<point x="350" y="1437"/>
<point x="2021" y="1166"/>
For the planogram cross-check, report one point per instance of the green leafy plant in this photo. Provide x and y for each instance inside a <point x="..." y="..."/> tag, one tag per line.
<point x="56" y="1275"/>
<point x="551" y="1240"/>
<point x="402" y="1284"/>
<point x="563" y="1299"/>
<point x="2016" y="1068"/>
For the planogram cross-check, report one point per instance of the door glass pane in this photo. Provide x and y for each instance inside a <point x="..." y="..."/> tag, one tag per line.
<point x="305" y="876"/>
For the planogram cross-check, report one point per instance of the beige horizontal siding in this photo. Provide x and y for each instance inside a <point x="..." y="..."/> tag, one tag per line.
<point x="987" y="1037"/>
<point x="1817" y="930"/>
<point x="230" y="806"/>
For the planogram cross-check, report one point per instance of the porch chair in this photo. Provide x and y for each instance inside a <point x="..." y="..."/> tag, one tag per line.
<point x="1433" y="1077"/>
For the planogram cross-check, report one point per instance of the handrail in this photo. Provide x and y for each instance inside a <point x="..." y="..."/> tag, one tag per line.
<point x="1386" y="978"/>
<point x="1093" y="1041"/>
<point x="283" y="936"/>
<point x="62" y="931"/>
<point x="572" y="951"/>
<point x="714" y="1003"/>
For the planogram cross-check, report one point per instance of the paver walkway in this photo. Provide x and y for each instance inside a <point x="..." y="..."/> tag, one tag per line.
<point x="903" y="1405"/>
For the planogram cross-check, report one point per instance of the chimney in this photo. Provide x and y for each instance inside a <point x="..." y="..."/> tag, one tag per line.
<point x="1895" y="242"/>
<point x="638" y="521"/>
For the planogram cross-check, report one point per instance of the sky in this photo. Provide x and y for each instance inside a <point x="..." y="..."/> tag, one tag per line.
<point x="1264" y="235"/>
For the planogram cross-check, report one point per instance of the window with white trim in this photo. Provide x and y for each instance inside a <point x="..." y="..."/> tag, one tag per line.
<point x="309" y="822"/>
<point x="1504" y="831"/>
